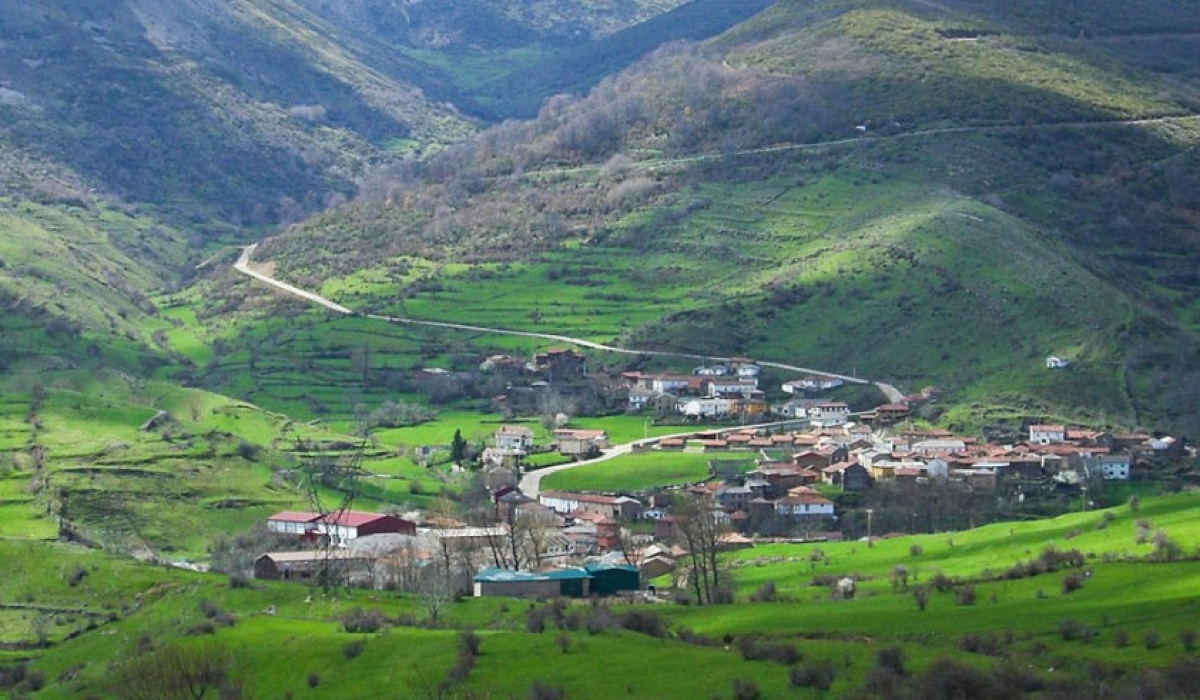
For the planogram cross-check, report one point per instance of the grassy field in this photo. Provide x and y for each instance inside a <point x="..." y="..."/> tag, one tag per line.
<point x="1130" y="613"/>
<point x="634" y="472"/>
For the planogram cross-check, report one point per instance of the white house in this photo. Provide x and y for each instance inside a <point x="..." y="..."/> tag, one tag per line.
<point x="811" y="383"/>
<point x="705" y="408"/>
<point x="1053" y="362"/>
<point x="1113" y="467"/>
<point x="1047" y="434"/>
<point x="516" y="438"/>
<point x="802" y="505"/>
<point x="748" y="371"/>
<point x="829" y="413"/>
<point x="732" y="387"/>
<point x="711" y="371"/>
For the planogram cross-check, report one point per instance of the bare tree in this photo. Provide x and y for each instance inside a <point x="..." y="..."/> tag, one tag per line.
<point x="699" y="528"/>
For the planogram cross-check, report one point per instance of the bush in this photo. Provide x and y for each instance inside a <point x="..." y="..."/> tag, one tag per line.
<point x="916" y="550"/>
<point x="563" y="640"/>
<point x="351" y="650"/>
<point x="988" y="645"/>
<point x="818" y="674"/>
<point x="1074" y="630"/>
<point x="764" y="594"/>
<point x="921" y="596"/>
<point x="544" y="691"/>
<point x="941" y="582"/>
<point x="965" y="595"/>
<point x="314" y="680"/>
<point x="745" y="689"/>
<point x="644" y="621"/>
<point x="78" y="573"/>
<point x="1188" y="638"/>
<point x="1120" y="638"/>
<point x="1151" y="640"/>
<point x="1072" y="582"/>
<point x="359" y="621"/>
<point x="754" y="649"/>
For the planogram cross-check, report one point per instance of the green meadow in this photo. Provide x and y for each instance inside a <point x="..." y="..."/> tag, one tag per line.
<point x="1134" y="609"/>
<point x="633" y="472"/>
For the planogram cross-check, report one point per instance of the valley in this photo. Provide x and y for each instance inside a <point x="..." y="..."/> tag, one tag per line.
<point x="485" y="349"/>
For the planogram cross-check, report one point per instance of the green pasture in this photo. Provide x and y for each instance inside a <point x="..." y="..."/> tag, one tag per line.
<point x="633" y="472"/>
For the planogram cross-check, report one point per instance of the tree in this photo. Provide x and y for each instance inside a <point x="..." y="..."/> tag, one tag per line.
<point x="458" y="447"/>
<point x="175" y="672"/>
<point x="699" y="529"/>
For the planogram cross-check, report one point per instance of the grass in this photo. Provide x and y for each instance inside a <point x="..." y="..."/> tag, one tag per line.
<point x="634" y="472"/>
<point x="285" y="632"/>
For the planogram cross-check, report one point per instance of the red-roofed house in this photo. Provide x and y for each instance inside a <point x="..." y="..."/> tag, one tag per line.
<point x="342" y="526"/>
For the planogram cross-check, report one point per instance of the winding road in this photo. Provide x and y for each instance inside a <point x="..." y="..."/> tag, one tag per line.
<point x="244" y="261"/>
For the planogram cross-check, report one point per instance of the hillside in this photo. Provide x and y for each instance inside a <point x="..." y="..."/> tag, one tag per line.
<point x="998" y="620"/>
<point x="137" y="138"/>
<point x="929" y="193"/>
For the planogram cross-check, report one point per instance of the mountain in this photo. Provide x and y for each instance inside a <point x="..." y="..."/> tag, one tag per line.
<point x="935" y="193"/>
<point x="138" y="137"/>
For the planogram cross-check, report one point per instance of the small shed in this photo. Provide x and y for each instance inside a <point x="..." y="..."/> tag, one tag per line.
<point x="611" y="579"/>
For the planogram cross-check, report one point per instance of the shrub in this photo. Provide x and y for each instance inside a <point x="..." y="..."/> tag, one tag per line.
<point x="1151" y="640"/>
<point x="598" y="620"/>
<point x="314" y="679"/>
<point x="1120" y="638"/>
<point x="359" y="621"/>
<point x="541" y="690"/>
<point x="891" y="659"/>
<point x="351" y="650"/>
<point x="818" y="674"/>
<point x="754" y="649"/>
<point x="898" y="577"/>
<point x="764" y="594"/>
<point x="941" y="582"/>
<point x="988" y="645"/>
<point x="1074" y="630"/>
<point x="563" y="641"/>
<point x="1134" y="504"/>
<point x="535" y="620"/>
<point x="916" y="550"/>
<point x="239" y="580"/>
<point x="945" y="679"/>
<point x="469" y="642"/>
<point x="965" y="595"/>
<point x="1188" y="638"/>
<point x="1072" y="582"/>
<point x="644" y="621"/>
<point x="78" y="573"/>
<point x="745" y="689"/>
<point x="921" y="596"/>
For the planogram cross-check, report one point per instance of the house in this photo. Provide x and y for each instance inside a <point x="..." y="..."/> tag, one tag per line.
<point x="580" y="443"/>
<point x="731" y="388"/>
<point x="1053" y="362"/>
<point x="291" y="522"/>
<point x="711" y="370"/>
<point x="810" y="384"/>
<point x="804" y="505"/>
<point x="733" y="498"/>
<point x="1113" y="467"/>
<point x="561" y="363"/>
<point x="828" y="413"/>
<point x="341" y="526"/>
<point x="705" y="408"/>
<point x="1047" y="434"/>
<point x="615" y="507"/>
<point x="851" y="476"/>
<point x="517" y="438"/>
<point x="890" y="413"/>
<point x="340" y="565"/>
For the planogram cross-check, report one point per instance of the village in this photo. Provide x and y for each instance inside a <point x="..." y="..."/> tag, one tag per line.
<point x="802" y="470"/>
